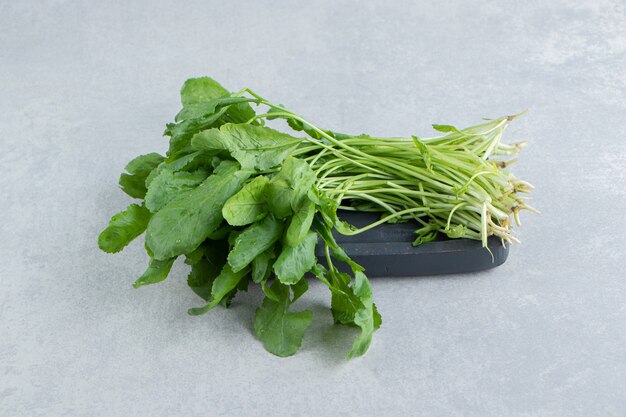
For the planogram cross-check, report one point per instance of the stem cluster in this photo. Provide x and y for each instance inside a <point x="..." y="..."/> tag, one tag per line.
<point x="456" y="183"/>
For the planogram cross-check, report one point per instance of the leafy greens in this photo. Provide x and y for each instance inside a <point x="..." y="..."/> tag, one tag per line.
<point x="241" y="201"/>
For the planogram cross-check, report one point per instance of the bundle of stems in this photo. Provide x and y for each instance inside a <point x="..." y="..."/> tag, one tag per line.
<point x="456" y="183"/>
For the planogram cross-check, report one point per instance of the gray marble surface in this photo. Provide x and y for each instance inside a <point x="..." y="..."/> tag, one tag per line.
<point x="85" y="87"/>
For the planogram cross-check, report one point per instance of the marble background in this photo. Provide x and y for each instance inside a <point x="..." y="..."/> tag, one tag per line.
<point x="86" y="86"/>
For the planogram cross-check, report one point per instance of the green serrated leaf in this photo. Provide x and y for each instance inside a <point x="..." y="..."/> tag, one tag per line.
<point x="424" y="151"/>
<point x="287" y="189"/>
<point x="144" y="164"/>
<point x="202" y="89"/>
<point x="253" y="241"/>
<point x="181" y="133"/>
<point x="456" y="231"/>
<point x="300" y="223"/>
<point x="168" y="186"/>
<point x="207" y="267"/>
<point x="223" y="284"/>
<point x="190" y="162"/>
<point x="299" y="288"/>
<point x="134" y="183"/>
<point x="248" y="205"/>
<point x="181" y="225"/>
<point x="426" y="233"/>
<point x="254" y="147"/>
<point x="445" y="128"/>
<point x="157" y="271"/>
<point x="262" y="266"/>
<point x="294" y="262"/>
<point x="207" y="108"/>
<point x="195" y="256"/>
<point x="344" y="303"/>
<point x="364" y="317"/>
<point x="280" y="330"/>
<point x="123" y="228"/>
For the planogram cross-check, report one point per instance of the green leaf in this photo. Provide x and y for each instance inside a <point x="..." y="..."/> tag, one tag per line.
<point x="207" y="108"/>
<point x="456" y="231"/>
<point x="262" y="266"/>
<point x="195" y="256"/>
<point x="195" y="93"/>
<point x="144" y="164"/>
<point x="321" y="273"/>
<point x="446" y="128"/>
<point x="300" y="222"/>
<point x="157" y="271"/>
<point x="254" y="240"/>
<point x="223" y="284"/>
<point x="200" y="279"/>
<point x="203" y="89"/>
<point x="299" y="288"/>
<point x="280" y="330"/>
<point x="248" y="205"/>
<point x="344" y="303"/>
<point x="134" y="183"/>
<point x="181" y="225"/>
<point x="378" y="320"/>
<point x="168" y="185"/>
<point x="254" y="147"/>
<point x="364" y="317"/>
<point x="189" y="162"/>
<point x="294" y="262"/>
<point x="240" y="113"/>
<point x="424" y="151"/>
<point x="123" y="228"/>
<point x="352" y="305"/>
<point x="207" y="268"/>
<point x="426" y="233"/>
<point x="182" y="132"/>
<point x="287" y="189"/>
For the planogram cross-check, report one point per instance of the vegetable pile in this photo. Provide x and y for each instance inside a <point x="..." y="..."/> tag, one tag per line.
<point x="243" y="202"/>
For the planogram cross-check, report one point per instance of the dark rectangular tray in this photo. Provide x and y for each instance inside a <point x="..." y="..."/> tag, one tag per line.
<point x="386" y="250"/>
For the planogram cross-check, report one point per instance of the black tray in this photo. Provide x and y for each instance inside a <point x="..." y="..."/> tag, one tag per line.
<point x="386" y="250"/>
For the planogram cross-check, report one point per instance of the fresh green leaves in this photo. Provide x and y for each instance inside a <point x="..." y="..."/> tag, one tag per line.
<point x="206" y="264"/>
<point x="253" y="241"/>
<point x="287" y="189"/>
<point x="254" y="147"/>
<point x="199" y="90"/>
<point x="206" y="105"/>
<point x="294" y="262"/>
<point x="280" y="330"/>
<point x="262" y="266"/>
<point x="207" y="108"/>
<point x="364" y="316"/>
<point x="134" y="183"/>
<point x="181" y="225"/>
<point x="123" y="228"/>
<point x="445" y="128"/>
<point x="156" y="272"/>
<point x="240" y="201"/>
<point x="300" y="222"/>
<point x="424" y="151"/>
<point x="169" y="185"/>
<point x="223" y="284"/>
<point x="248" y="205"/>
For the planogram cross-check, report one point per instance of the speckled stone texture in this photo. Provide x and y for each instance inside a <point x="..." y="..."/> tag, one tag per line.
<point x="86" y="87"/>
